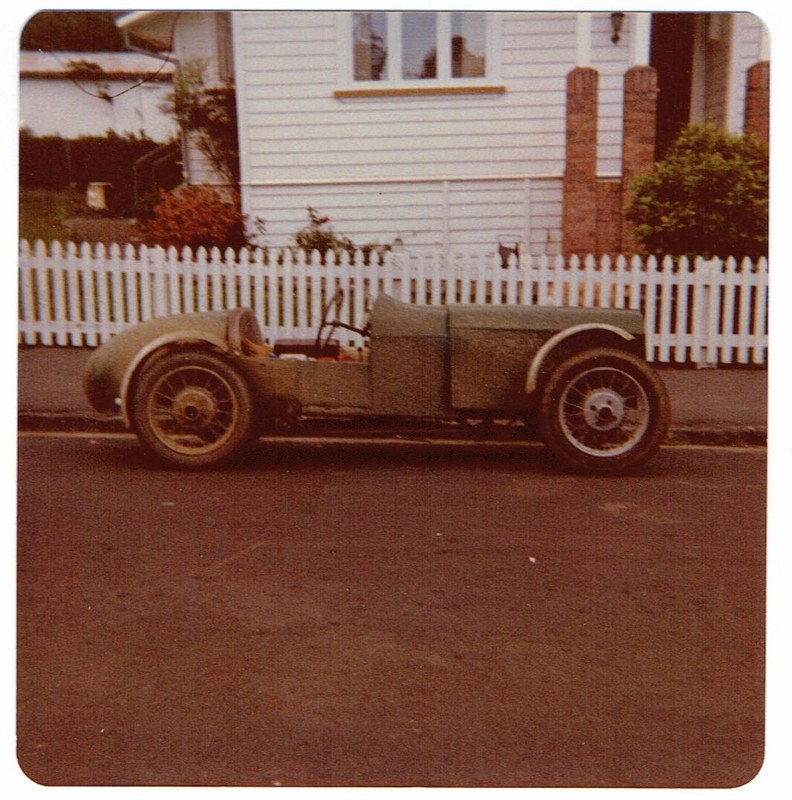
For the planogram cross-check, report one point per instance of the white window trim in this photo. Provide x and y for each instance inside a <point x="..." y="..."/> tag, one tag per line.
<point x="393" y="83"/>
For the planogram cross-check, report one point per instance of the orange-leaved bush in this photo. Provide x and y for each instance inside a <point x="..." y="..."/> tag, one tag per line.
<point x="195" y="216"/>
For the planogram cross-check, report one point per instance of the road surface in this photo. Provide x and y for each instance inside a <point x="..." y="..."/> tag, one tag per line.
<point x="388" y="616"/>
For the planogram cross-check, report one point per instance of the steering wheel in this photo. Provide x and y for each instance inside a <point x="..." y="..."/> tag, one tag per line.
<point x="330" y="321"/>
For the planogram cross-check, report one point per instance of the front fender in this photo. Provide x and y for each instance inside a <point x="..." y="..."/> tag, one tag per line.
<point x="185" y="339"/>
<point x="111" y="367"/>
<point x="532" y="379"/>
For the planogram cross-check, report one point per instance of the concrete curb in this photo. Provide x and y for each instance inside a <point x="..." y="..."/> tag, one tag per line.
<point x="706" y="435"/>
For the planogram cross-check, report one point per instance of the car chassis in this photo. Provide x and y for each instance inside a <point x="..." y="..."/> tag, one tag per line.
<point x="196" y="388"/>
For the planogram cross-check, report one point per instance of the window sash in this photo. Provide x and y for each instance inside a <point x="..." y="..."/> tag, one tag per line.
<point x="393" y="72"/>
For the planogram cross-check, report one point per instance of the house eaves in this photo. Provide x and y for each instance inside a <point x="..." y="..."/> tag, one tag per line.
<point x="154" y="29"/>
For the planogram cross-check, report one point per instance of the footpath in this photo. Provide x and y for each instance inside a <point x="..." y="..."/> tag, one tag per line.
<point x="710" y="406"/>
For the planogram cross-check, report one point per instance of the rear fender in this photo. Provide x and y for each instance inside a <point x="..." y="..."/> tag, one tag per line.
<point x="545" y="351"/>
<point x="162" y="344"/>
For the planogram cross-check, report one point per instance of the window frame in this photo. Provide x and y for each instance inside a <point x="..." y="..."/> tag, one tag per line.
<point x="392" y="82"/>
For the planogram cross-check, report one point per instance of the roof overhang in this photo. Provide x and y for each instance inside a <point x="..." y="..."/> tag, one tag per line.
<point x="155" y="28"/>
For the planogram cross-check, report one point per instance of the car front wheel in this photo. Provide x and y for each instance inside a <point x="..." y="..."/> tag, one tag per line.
<point x="192" y="409"/>
<point x="603" y="411"/>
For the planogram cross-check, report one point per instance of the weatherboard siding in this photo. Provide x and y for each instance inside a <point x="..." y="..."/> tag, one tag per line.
<point x="426" y="170"/>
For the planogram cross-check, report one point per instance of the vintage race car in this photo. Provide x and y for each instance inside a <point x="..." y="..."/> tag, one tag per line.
<point x="196" y="388"/>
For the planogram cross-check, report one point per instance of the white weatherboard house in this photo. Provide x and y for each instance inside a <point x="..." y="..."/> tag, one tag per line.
<point x="89" y="94"/>
<point x="463" y="128"/>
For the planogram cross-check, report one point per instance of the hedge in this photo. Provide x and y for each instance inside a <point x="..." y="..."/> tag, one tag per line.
<point x="52" y="162"/>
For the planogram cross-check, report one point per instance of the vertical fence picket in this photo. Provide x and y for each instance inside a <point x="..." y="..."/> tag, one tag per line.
<point x="760" y="313"/>
<point x="257" y="287"/>
<point x="87" y="289"/>
<point x="143" y="258"/>
<point x="465" y="278"/>
<point x="650" y="304"/>
<point x="707" y="311"/>
<point x="682" y="332"/>
<point x="728" y="289"/>
<point x="713" y="283"/>
<point x="74" y="297"/>
<point x="300" y="293"/>
<point x="26" y="282"/>
<point x="117" y="304"/>
<point x="215" y="279"/>
<point x="358" y="267"/>
<point x="636" y="283"/>
<point x="323" y="277"/>
<point x="228" y="271"/>
<point x="103" y="308"/>
<point x="58" y="298"/>
<point x="43" y="304"/>
<point x="665" y="322"/>
<point x="557" y="275"/>
<point x="620" y="282"/>
<point x="245" y="267"/>
<point x="130" y="274"/>
<point x="200" y="278"/>
<point x="173" y="266"/>
<point x="590" y="277"/>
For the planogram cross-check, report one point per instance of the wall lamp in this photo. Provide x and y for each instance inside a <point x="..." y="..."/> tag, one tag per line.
<point x="617" y="20"/>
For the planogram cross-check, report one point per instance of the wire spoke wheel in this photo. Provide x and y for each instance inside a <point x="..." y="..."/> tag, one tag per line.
<point x="192" y="409"/>
<point x="603" y="411"/>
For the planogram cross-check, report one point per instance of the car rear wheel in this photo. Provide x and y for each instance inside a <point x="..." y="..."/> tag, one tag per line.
<point x="192" y="409"/>
<point x="603" y="411"/>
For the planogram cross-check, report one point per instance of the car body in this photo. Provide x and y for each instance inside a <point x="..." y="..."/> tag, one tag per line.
<point x="197" y="387"/>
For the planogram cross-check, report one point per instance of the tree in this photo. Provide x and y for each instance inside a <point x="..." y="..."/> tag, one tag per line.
<point x="708" y="196"/>
<point x="73" y="31"/>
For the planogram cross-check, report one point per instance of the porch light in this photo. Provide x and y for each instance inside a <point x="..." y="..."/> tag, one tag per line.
<point x="617" y="20"/>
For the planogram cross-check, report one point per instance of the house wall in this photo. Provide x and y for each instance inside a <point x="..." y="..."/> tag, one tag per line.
<point x="443" y="169"/>
<point x="56" y="107"/>
<point x="480" y="169"/>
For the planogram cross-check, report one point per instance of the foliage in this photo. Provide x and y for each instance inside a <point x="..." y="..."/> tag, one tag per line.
<point x="51" y="162"/>
<point x="318" y="235"/>
<point x="708" y="196"/>
<point x="73" y="32"/>
<point x="209" y="114"/>
<point x="43" y="212"/>
<point x="195" y="216"/>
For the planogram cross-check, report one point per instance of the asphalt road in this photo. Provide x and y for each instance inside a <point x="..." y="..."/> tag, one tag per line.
<point x="353" y="616"/>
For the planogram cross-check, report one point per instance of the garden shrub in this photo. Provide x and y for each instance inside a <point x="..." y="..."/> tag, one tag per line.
<point x="195" y="216"/>
<point x="318" y="235"/>
<point x="708" y="196"/>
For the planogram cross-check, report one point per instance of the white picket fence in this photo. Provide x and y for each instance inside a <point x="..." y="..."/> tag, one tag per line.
<point x="696" y="311"/>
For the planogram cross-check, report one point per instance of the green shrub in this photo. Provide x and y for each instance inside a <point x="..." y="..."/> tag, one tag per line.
<point x="708" y="196"/>
<point x="318" y="235"/>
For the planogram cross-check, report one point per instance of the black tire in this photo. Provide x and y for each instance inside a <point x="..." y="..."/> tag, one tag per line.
<point x="603" y="411"/>
<point x="192" y="409"/>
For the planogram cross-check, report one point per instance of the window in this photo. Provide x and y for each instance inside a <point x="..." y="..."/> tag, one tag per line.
<point x="468" y="44"/>
<point x="421" y="48"/>
<point x="370" y="35"/>
<point x="419" y="45"/>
